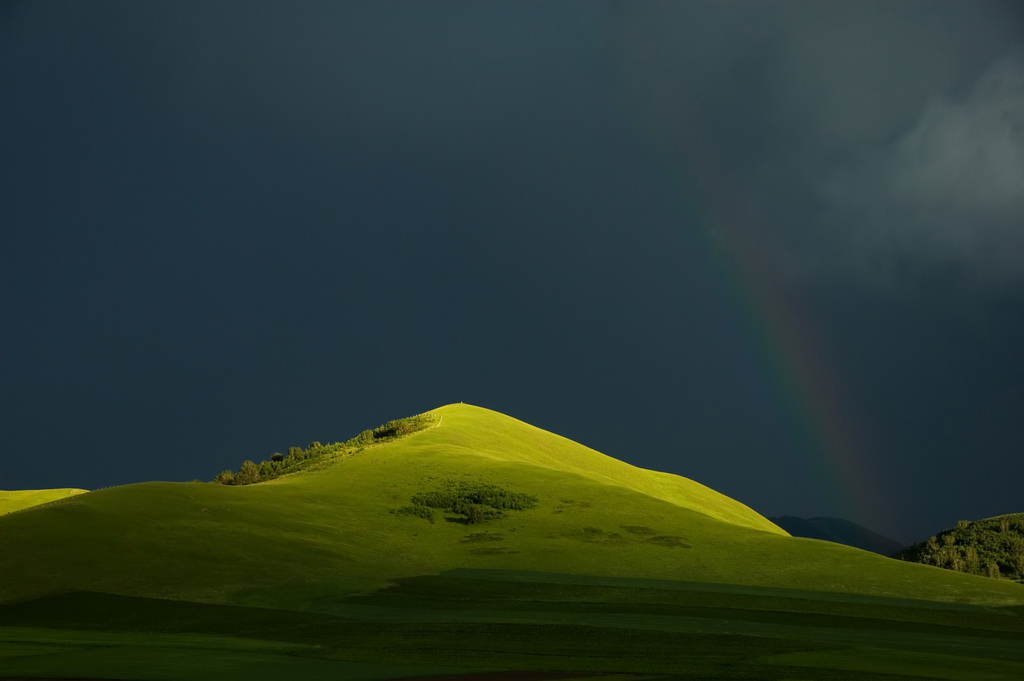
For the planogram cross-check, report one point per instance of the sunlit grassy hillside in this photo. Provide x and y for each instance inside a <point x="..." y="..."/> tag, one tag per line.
<point x="304" y="540"/>
<point x="27" y="498"/>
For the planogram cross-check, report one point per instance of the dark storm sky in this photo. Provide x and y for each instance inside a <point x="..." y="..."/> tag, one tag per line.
<point x="228" y="228"/>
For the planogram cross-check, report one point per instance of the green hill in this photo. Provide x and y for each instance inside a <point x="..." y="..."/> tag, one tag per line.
<point x="332" y="529"/>
<point x="27" y="498"/>
<point x="478" y="543"/>
<point x="993" y="547"/>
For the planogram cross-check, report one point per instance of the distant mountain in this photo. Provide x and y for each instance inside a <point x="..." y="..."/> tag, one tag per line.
<point x="839" y="531"/>
<point x="993" y="547"/>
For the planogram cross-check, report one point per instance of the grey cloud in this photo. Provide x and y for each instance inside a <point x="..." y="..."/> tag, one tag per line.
<point x="826" y="76"/>
<point x="878" y="140"/>
<point x="844" y="75"/>
<point x="968" y="156"/>
<point x="949" y="190"/>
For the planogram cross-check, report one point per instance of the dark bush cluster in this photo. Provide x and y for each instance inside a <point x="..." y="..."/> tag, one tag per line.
<point x="484" y="495"/>
<point x="472" y="503"/>
<point x="415" y="511"/>
<point x="993" y="547"/>
<point x="298" y="458"/>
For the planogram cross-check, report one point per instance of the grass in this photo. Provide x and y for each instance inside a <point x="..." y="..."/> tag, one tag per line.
<point x="27" y="498"/>
<point x="470" y="621"/>
<point x="615" y="569"/>
<point x="128" y="655"/>
<point x="331" y="532"/>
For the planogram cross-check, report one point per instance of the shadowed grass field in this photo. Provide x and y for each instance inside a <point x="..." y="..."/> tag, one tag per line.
<point x="473" y="621"/>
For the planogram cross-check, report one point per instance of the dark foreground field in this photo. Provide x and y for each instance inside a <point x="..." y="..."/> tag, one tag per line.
<point x="489" y="623"/>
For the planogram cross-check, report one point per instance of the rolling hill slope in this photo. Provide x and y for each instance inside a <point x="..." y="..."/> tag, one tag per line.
<point x="27" y="498"/>
<point x="306" y="540"/>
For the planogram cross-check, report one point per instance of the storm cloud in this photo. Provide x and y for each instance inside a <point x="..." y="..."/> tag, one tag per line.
<point x="880" y="141"/>
<point x="949" y="192"/>
<point x="232" y="227"/>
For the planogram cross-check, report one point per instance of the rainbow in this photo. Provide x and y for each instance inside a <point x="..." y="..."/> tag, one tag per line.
<point x="800" y="382"/>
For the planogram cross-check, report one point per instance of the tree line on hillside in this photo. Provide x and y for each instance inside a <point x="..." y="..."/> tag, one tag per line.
<point x="298" y="458"/>
<point x="993" y="547"/>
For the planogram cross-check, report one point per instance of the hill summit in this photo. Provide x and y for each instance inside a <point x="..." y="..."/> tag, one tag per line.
<point x="470" y="489"/>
